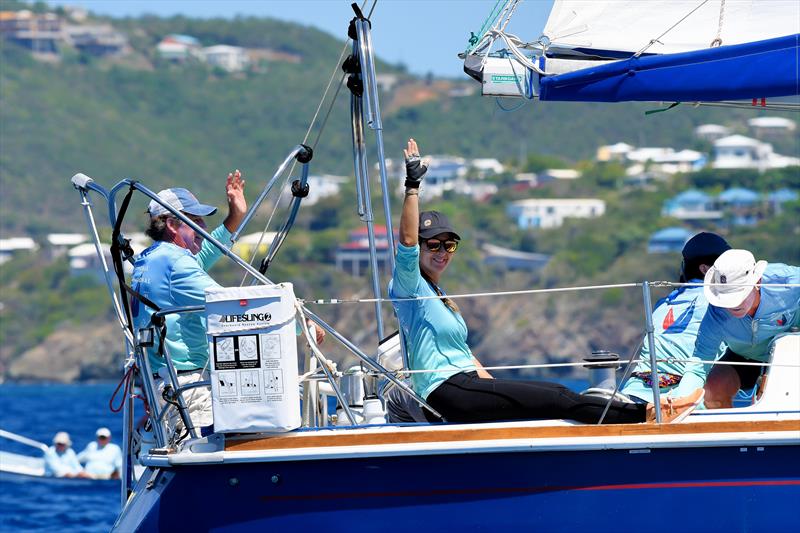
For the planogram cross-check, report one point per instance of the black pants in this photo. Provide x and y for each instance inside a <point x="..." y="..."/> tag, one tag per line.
<point x="465" y="397"/>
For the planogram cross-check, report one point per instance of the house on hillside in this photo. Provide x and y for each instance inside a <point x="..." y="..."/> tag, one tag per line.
<point x="15" y="245"/>
<point x="771" y="126"/>
<point x="743" y="206"/>
<point x="776" y="199"/>
<point x="486" y="166"/>
<point x="253" y="243"/>
<point x="228" y="58"/>
<point x="554" y="174"/>
<point x="740" y="152"/>
<point x="551" y="212"/>
<point x="97" y="40"/>
<point x="323" y="186"/>
<point x="692" y="205"/>
<point x="508" y="259"/>
<point x="39" y="33"/>
<point x="443" y="173"/>
<point x="386" y="82"/>
<point x="668" y="240"/>
<point x="711" y="132"/>
<point x="59" y="243"/>
<point x="613" y="152"/>
<point x="665" y="160"/>
<point x="178" y="48"/>
<point x="352" y="257"/>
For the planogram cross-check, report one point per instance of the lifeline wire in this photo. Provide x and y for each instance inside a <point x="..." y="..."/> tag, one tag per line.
<point x="654" y="41"/>
<point x="334" y="301"/>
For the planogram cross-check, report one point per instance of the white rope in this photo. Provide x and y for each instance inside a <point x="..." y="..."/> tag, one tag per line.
<point x="336" y="301"/>
<point x="467" y="295"/>
<point x="598" y="363"/>
<point x="657" y="39"/>
<point x="718" y="39"/>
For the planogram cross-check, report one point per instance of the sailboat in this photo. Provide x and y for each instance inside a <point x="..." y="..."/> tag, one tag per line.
<point x="724" y="470"/>
<point x="693" y="51"/>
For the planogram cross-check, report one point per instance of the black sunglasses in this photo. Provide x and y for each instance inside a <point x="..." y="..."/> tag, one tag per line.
<point x="450" y="246"/>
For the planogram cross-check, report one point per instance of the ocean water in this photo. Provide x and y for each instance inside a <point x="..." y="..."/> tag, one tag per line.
<point x="60" y="505"/>
<point x="38" y="412"/>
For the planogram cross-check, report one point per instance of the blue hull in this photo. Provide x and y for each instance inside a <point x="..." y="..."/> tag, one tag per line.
<point x="726" y="489"/>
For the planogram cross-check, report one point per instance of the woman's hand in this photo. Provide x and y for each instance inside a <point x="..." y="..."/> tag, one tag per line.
<point x="237" y="205"/>
<point x="415" y="168"/>
<point x="409" y="217"/>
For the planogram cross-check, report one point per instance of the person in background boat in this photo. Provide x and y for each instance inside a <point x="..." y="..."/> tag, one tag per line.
<point x="436" y="336"/>
<point x="102" y="457"/>
<point x="677" y="318"/>
<point x="747" y="311"/>
<point x="60" y="459"/>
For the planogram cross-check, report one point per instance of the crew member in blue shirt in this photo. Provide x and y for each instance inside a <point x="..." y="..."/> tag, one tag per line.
<point x="750" y="305"/>
<point x="172" y="273"/>
<point x="102" y="457"/>
<point x="436" y="336"/>
<point x="60" y="459"/>
<point x="676" y="319"/>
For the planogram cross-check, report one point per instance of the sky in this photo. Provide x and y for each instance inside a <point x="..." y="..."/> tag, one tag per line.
<point x="425" y="35"/>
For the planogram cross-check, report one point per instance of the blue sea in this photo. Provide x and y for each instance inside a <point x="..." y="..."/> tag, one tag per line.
<point x="60" y="505"/>
<point x="38" y="412"/>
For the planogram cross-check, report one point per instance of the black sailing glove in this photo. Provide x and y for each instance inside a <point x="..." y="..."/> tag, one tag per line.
<point x="415" y="170"/>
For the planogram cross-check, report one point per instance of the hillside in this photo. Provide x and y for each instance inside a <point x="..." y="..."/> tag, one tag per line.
<point x="189" y="125"/>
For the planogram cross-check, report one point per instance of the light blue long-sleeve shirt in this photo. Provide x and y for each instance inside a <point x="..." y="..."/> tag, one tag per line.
<point x="778" y="311"/>
<point x="436" y="337"/>
<point x="61" y="464"/>
<point x="101" y="462"/>
<point x="170" y="276"/>
<point x="676" y="321"/>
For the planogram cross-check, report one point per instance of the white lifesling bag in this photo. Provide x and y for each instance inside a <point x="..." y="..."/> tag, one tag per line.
<point x="253" y="358"/>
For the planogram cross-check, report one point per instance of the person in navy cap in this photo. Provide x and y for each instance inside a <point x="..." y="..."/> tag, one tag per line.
<point x="676" y="319"/>
<point x="456" y="384"/>
<point x="173" y="273"/>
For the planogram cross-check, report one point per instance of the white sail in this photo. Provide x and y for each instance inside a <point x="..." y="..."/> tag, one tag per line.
<point x="630" y="25"/>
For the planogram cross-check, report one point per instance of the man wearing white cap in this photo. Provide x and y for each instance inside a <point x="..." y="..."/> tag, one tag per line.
<point x="103" y="458"/>
<point x="60" y="459"/>
<point x="172" y="273"/>
<point x="750" y="306"/>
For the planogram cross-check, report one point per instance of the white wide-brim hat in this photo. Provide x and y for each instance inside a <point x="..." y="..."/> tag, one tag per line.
<point x="734" y="275"/>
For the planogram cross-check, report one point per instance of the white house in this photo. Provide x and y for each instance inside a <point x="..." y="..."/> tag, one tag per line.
<point x="229" y="58"/>
<point x="320" y="187"/>
<point x="551" y="212"/>
<point x="487" y="166"/>
<point x="711" y="132"/>
<point x="768" y="126"/>
<point x="178" y="48"/>
<point x="551" y="174"/>
<point x="14" y="245"/>
<point x="61" y="242"/>
<point x="740" y="152"/>
<point x="613" y="152"/>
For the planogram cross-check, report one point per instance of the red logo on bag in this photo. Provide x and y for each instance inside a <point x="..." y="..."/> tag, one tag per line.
<point x="668" y="320"/>
<point x="243" y="303"/>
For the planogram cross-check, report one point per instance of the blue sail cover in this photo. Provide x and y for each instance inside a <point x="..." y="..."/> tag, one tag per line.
<point x="760" y="69"/>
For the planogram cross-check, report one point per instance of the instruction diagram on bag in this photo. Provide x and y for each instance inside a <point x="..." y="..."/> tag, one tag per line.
<point x="271" y="346"/>
<point x="235" y="352"/>
<point x="273" y="381"/>
<point x="249" y="383"/>
<point x="227" y="384"/>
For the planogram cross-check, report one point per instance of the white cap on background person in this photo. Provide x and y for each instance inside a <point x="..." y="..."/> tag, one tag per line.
<point x="732" y="278"/>
<point x="103" y="432"/>
<point x="62" y="437"/>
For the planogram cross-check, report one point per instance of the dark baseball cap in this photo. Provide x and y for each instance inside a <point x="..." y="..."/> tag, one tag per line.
<point x="433" y="223"/>
<point x="704" y="244"/>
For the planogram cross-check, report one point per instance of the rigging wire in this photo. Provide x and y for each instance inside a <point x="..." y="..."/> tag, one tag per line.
<point x="308" y="133"/>
<point x="657" y="39"/>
